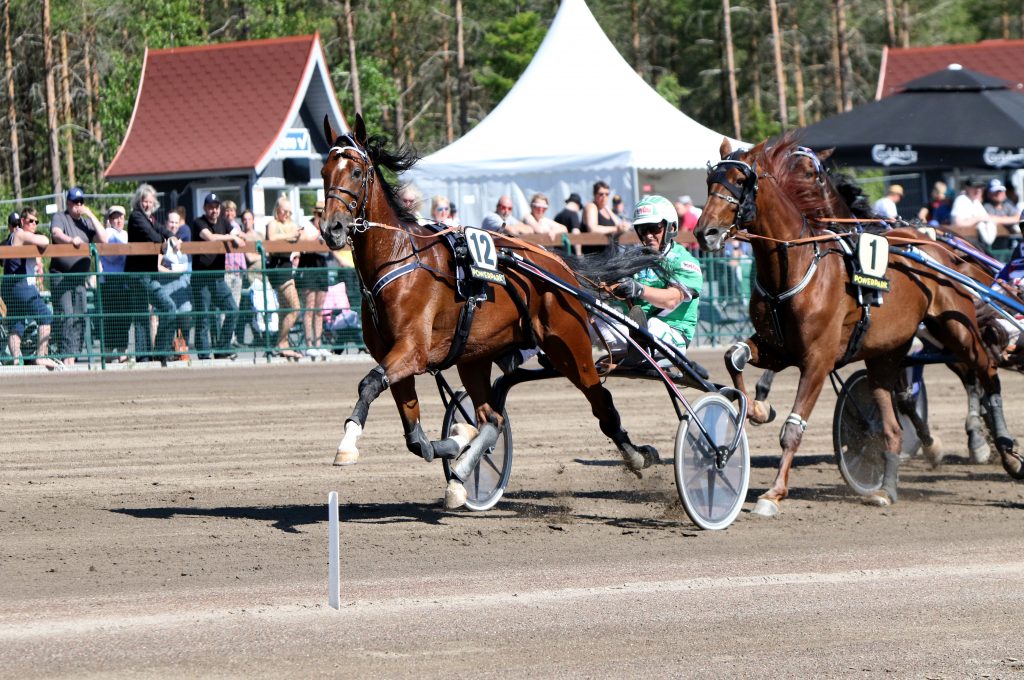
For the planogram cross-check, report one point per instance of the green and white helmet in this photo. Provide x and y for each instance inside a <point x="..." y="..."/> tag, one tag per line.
<point x="655" y="210"/>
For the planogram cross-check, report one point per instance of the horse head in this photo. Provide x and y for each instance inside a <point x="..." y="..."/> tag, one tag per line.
<point x="348" y="177"/>
<point x="732" y="197"/>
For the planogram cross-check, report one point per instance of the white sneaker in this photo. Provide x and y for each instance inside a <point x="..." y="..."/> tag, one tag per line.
<point x="312" y="353"/>
<point x="324" y="353"/>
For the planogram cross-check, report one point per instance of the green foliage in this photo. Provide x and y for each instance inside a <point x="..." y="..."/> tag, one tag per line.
<point x="509" y="45"/>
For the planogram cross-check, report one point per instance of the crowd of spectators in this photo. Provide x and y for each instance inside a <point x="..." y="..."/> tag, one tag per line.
<point x="170" y="305"/>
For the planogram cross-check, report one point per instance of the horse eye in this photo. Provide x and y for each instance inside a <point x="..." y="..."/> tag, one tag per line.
<point x="357" y="173"/>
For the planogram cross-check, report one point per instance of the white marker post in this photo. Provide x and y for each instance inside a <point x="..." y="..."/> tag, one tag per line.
<point x="333" y="569"/>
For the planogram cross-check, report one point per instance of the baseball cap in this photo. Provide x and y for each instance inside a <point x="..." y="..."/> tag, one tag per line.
<point x="13" y="220"/>
<point x="995" y="185"/>
<point x="973" y="182"/>
<point x="115" y="209"/>
<point x="684" y="199"/>
<point x="76" y="194"/>
<point x="319" y="207"/>
<point x="575" y="198"/>
<point x="211" y="199"/>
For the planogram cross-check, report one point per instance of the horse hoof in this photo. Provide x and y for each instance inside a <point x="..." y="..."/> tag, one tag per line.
<point x="454" y="495"/>
<point x="933" y="453"/>
<point x="463" y="433"/>
<point x="1013" y="462"/>
<point x="766" y="507"/>
<point x="878" y="499"/>
<point x="650" y="455"/>
<point x="761" y="413"/>
<point x="635" y="461"/>
<point x="346" y="457"/>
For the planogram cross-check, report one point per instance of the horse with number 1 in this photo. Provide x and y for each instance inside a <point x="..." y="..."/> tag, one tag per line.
<point x="805" y="315"/>
<point x="415" y="319"/>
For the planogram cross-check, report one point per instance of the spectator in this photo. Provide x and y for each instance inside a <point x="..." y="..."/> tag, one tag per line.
<point x="412" y="199"/>
<point x="313" y="284"/>
<point x="454" y="212"/>
<point x="114" y="289"/>
<point x="175" y="279"/>
<point x="968" y="211"/>
<point x="688" y="216"/>
<point x="885" y="207"/>
<point x="1004" y="212"/>
<point x="569" y="216"/>
<point x="235" y="263"/>
<point x="618" y="207"/>
<point x="441" y="211"/>
<point x="281" y="276"/>
<point x="146" y="288"/>
<point x="23" y="300"/>
<point x="535" y="222"/>
<point x="598" y="217"/>
<point x="502" y="219"/>
<point x="928" y="213"/>
<point x="77" y="225"/>
<point x="211" y="296"/>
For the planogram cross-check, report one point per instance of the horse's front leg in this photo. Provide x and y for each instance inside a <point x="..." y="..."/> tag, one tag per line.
<point x="402" y="362"/>
<point x="736" y="359"/>
<point x="812" y="377"/>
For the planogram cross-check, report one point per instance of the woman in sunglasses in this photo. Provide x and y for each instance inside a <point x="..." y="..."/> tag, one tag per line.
<point x="441" y="211"/>
<point x="23" y="299"/>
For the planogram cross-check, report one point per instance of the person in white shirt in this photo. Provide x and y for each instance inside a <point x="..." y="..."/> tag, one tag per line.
<point x="968" y="211"/>
<point x="886" y="206"/>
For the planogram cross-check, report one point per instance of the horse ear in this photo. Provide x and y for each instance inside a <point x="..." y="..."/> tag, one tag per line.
<point x="726" y="147"/>
<point x="329" y="131"/>
<point x="826" y="154"/>
<point x="360" y="129"/>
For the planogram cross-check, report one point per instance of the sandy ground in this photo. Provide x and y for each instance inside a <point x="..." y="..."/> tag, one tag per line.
<point x="161" y="523"/>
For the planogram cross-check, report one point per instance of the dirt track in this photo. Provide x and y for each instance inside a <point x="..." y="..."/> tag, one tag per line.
<point x="162" y="523"/>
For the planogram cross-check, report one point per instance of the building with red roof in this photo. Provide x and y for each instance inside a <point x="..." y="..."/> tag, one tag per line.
<point x="243" y="119"/>
<point x="1003" y="59"/>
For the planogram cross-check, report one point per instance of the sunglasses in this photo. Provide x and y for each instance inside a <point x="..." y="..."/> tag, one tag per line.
<point x="644" y="229"/>
<point x="442" y="208"/>
<point x="32" y="220"/>
<point x="78" y="202"/>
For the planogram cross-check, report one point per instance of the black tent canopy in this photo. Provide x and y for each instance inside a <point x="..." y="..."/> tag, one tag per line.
<point x="954" y="118"/>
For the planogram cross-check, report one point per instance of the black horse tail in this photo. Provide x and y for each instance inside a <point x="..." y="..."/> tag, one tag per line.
<point x="613" y="264"/>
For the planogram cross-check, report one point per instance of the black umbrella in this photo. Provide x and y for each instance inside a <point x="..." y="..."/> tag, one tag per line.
<point x="954" y="118"/>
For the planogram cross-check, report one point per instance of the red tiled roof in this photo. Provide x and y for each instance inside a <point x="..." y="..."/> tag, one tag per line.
<point x="1003" y="59"/>
<point x="213" y="107"/>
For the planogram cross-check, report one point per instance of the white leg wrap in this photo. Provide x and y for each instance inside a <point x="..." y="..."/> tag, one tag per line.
<point x="352" y="432"/>
<point x="795" y="419"/>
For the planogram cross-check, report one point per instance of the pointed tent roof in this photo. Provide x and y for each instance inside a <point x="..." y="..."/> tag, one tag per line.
<point x="1001" y="58"/>
<point x="252" y="91"/>
<point x="577" y="104"/>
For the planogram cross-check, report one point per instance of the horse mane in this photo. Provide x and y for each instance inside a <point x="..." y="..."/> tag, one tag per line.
<point x="398" y="161"/>
<point x="613" y="264"/>
<point x="775" y="158"/>
<point x="852" y="194"/>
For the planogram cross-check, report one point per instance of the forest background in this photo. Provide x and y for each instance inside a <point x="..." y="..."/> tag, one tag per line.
<point x="424" y="72"/>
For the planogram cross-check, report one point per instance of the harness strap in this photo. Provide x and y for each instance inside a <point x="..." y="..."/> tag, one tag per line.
<point x="393" y="276"/>
<point x="462" y="329"/>
<point x="856" y="341"/>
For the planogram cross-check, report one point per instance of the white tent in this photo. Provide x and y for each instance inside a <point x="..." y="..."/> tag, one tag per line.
<point x="579" y="113"/>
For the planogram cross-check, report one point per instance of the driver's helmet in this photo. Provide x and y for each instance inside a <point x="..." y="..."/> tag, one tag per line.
<point x="658" y="210"/>
<point x="13" y="220"/>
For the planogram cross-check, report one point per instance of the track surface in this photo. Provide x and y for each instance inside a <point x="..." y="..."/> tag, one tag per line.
<point x="166" y="523"/>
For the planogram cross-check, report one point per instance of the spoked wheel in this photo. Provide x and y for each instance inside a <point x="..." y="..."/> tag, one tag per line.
<point x="711" y="495"/>
<point x="488" y="481"/>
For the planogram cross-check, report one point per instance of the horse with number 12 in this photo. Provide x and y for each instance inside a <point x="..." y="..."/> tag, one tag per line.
<point x="411" y="312"/>
<point x="804" y="314"/>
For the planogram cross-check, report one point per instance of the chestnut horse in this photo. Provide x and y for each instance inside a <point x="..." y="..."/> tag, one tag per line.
<point x="411" y="312"/>
<point x="804" y="315"/>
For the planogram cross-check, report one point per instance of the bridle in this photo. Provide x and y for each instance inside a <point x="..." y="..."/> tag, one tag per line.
<point x="356" y="203"/>
<point x="743" y="195"/>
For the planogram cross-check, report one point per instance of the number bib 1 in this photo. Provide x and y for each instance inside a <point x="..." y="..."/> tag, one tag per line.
<point x="873" y="256"/>
<point x="484" y="256"/>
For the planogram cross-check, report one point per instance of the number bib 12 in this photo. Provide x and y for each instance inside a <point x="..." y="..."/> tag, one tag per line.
<point x="483" y="256"/>
<point x="873" y="256"/>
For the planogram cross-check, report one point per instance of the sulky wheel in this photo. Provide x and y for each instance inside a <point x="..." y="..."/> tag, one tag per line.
<point x="712" y="494"/>
<point x="487" y="483"/>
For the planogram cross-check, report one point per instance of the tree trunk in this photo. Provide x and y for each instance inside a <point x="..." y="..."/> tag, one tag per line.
<point x="798" y="77"/>
<point x="92" y="106"/>
<point x="844" y="55"/>
<point x="755" y="70"/>
<point x="396" y="67"/>
<point x="12" y="109"/>
<point x="634" y="26"/>
<point x="780" y="70"/>
<point x="68" y="122"/>
<point x="905" y="23"/>
<point x="837" y="69"/>
<point x="460" y="66"/>
<point x="51" y="105"/>
<point x="94" y="76"/>
<point x="730" y="67"/>
<point x="357" y="97"/>
<point x="1006" y="21"/>
<point x="890" y="23"/>
<point x="449" y="121"/>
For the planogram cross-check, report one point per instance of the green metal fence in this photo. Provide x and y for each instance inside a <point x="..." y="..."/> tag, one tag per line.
<point x="108" y="317"/>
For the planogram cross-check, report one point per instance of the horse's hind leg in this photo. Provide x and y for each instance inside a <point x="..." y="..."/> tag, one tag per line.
<point x="576" y="365"/>
<point x="476" y="379"/>
<point x="906" y="404"/>
<point x="883" y="373"/>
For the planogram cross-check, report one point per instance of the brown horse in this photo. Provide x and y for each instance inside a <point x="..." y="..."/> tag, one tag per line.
<point x="805" y="316"/>
<point x="411" y="312"/>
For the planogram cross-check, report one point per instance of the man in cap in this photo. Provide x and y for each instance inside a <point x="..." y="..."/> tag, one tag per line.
<point x="76" y="226"/>
<point x="886" y="206"/>
<point x="968" y="211"/>
<point x="211" y="296"/>
<point x="1003" y="212"/>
